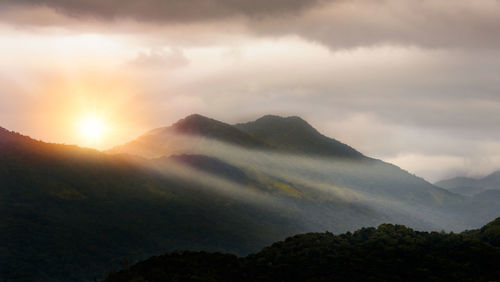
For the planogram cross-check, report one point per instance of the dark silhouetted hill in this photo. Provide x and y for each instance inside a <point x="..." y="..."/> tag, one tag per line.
<point x="387" y="253"/>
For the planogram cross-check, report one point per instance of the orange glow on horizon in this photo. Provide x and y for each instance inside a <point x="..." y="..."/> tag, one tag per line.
<point x="95" y="109"/>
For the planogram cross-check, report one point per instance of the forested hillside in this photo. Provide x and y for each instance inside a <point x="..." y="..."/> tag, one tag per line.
<point x="387" y="253"/>
<point x="68" y="213"/>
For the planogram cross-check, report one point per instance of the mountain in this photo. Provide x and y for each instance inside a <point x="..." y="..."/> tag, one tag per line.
<point x="293" y="134"/>
<point x="175" y="139"/>
<point x="68" y="213"/>
<point x="274" y="133"/>
<point x="471" y="186"/>
<point x="292" y="153"/>
<point x="199" y="125"/>
<point x="387" y="253"/>
<point x="213" y="166"/>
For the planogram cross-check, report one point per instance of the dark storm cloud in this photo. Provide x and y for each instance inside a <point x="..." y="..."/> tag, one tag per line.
<point x="166" y="10"/>
<point x="433" y="23"/>
<point x="335" y="23"/>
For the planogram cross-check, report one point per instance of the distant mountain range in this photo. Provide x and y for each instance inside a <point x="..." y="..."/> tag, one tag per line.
<point x="68" y="213"/>
<point x="472" y="186"/>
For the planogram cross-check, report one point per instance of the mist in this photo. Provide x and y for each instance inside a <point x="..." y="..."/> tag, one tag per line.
<point x="335" y="194"/>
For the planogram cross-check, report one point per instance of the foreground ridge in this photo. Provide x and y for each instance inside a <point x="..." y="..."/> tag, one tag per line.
<point x="389" y="252"/>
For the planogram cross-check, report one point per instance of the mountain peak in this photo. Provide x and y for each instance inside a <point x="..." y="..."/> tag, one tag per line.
<point x="284" y="120"/>
<point x="293" y="123"/>
<point x="199" y="125"/>
<point x="286" y="134"/>
<point x="196" y="122"/>
<point x="277" y="117"/>
<point x="195" y="118"/>
<point x="296" y="135"/>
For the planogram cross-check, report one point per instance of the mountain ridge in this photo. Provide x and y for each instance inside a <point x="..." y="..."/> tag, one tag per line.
<point x="152" y="143"/>
<point x="294" y="134"/>
<point x="302" y="137"/>
<point x="197" y="124"/>
<point x="469" y="186"/>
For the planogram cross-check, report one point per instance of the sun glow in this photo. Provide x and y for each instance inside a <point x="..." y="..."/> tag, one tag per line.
<point x="92" y="128"/>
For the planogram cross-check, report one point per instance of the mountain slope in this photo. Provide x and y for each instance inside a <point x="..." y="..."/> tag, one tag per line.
<point x="213" y="166"/>
<point x="68" y="213"/>
<point x="293" y="134"/>
<point x="471" y="186"/>
<point x="302" y="159"/>
<point x="387" y="253"/>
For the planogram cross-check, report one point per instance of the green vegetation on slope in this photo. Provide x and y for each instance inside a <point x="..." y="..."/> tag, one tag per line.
<point x="387" y="253"/>
<point x="68" y="214"/>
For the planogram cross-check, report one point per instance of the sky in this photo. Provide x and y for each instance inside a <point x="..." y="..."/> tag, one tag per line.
<point x="411" y="82"/>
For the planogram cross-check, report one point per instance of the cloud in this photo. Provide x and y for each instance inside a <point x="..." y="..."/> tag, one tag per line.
<point x="169" y="59"/>
<point x="166" y="11"/>
<point x="387" y="101"/>
<point x="392" y="78"/>
<point x="336" y="24"/>
<point x="434" y="23"/>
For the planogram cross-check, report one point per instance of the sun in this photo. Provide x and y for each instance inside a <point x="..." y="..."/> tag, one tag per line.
<point x="92" y="128"/>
